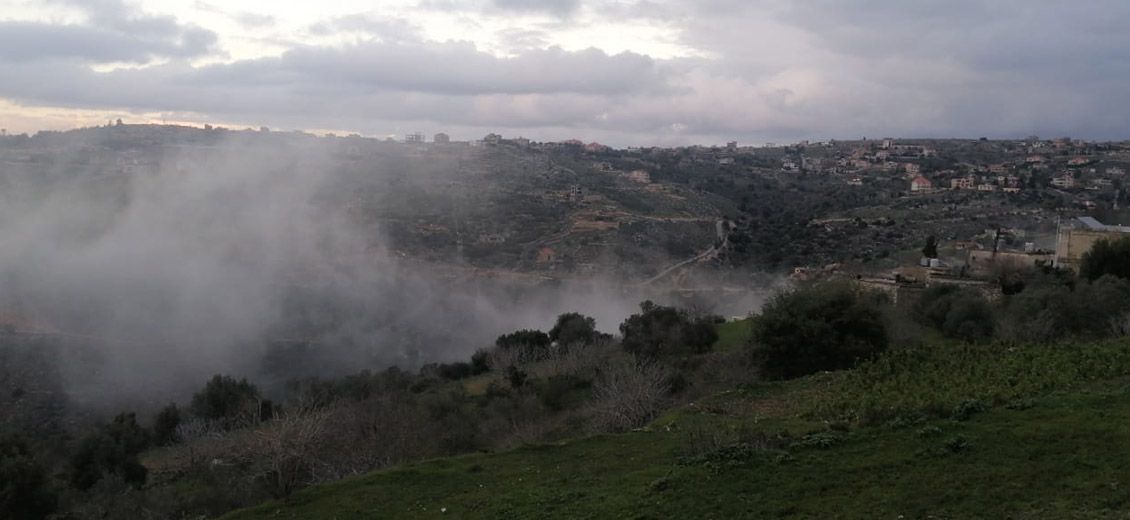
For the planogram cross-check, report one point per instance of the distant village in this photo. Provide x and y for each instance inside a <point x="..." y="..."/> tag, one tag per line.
<point x="1039" y="202"/>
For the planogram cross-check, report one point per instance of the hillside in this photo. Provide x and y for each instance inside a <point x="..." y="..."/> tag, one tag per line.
<point x="945" y="431"/>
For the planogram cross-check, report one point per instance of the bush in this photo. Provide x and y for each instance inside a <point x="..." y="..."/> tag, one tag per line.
<point x="662" y="331"/>
<point x="554" y="392"/>
<point x="628" y="395"/>
<point x="957" y="313"/>
<point x="525" y="339"/>
<point x="1106" y="257"/>
<point x="112" y="450"/>
<point x="817" y="327"/>
<point x="455" y="371"/>
<point x="165" y="425"/>
<point x="227" y="400"/>
<point x="574" y="328"/>
<point x="515" y="376"/>
<point x="1092" y="310"/>
<point x="24" y="488"/>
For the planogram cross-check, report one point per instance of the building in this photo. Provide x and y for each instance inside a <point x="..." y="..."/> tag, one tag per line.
<point x="546" y="255"/>
<point x="415" y="137"/>
<point x="912" y="169"/>
<point x="963" y="183"/>
<point x="921" y="184"/>
<point x="441" y="138"/>
<point x="982" y="262"/>
<point x="1074" y="238"/>
<point x="639" y="176"/>
<point x="1064" y="181"/>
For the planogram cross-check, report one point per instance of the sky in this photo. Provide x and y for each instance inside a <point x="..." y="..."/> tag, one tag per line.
<point x="620" y="72"/>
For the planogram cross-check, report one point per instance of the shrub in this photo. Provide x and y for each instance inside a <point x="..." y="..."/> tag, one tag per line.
<point x="553" y="392"/>
<point x="573" y="327"/>
<point x="112" y="450"/>
<point x="628" y="395"/>
<point x="817" y="327"/>
<point x="24" y="488"/>
<point x="1106" y="257"/>
<point x="662" y="331"/>
<point x="1092" y="310"/>
<point x="957" y="313"/>
<point x="480" y="362"/>
<point x="227" y="400"/>
<point x="165" y="425"/>
<point x="515" y="376"/>
<point x="525" y="339"/>
<point x="455" y="371"/>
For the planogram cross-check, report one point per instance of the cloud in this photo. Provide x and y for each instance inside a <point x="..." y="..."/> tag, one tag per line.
<point x="448" y="81"/>
<point x="555" y="7"/>
<point x="113" y="32"/>
<point x="771" y="70"/>
<point x="383" y="28"/>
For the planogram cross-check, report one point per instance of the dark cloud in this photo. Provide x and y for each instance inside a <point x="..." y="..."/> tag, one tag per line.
<point x="556" y="7"/>
<point x="112" y="33"/>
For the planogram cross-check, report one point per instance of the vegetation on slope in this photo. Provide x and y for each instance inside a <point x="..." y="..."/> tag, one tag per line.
<point x="1014" y="444"/>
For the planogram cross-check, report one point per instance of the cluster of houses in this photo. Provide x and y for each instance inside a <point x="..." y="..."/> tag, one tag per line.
<point x="975" y="265"/>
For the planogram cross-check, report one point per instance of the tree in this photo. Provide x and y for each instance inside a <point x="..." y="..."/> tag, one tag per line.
<point x="573" y="327"/>
<point x="1089" y="310"/>
<point x="930" y="250"/>
<point x="24" y="489"/>
<point x="957" y="313"/>
<point x="1106" y="256"/>
<point x="524" y="339"/>
<point x="165" y="425"/>
<point x="828" y="326"/>
<point x="225" y="399"/>
<point x="113" y="449"/>
<point x="515" y="376"/>
<point x="660" y="331"/>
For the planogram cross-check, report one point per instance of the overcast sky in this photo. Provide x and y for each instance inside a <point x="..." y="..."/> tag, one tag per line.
<point x="627" y="72"/>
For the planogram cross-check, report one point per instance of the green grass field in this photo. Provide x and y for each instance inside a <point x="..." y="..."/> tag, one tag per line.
<point x="995" y="431"/>
<point x="732" y="335"/>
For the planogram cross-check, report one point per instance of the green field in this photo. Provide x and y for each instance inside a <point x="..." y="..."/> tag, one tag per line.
<point x="732" y="335"/>
<point x="996" y="431"/>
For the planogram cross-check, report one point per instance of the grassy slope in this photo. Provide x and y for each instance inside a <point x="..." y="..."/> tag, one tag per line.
<point x="732" y="335"/>
<point x="1062" y="458"/>
<point x="1050" y="445"/>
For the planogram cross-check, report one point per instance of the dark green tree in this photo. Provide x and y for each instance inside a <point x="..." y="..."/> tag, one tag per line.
<point x="527" y="339"/>
<point x="113" y="449"/>
<point x="957" y="313"/>
<point x="828" y="326"/>
<point x="25" y="492"/>
<point x="573" y="327"/>
<point x="224" y="398"/>
<point x="1106" y="256"/>
<point x="165" y="425"/>
<point x="662" y="331"/>
<point x="930" y="250"/>
<point x="515" y="376"/>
